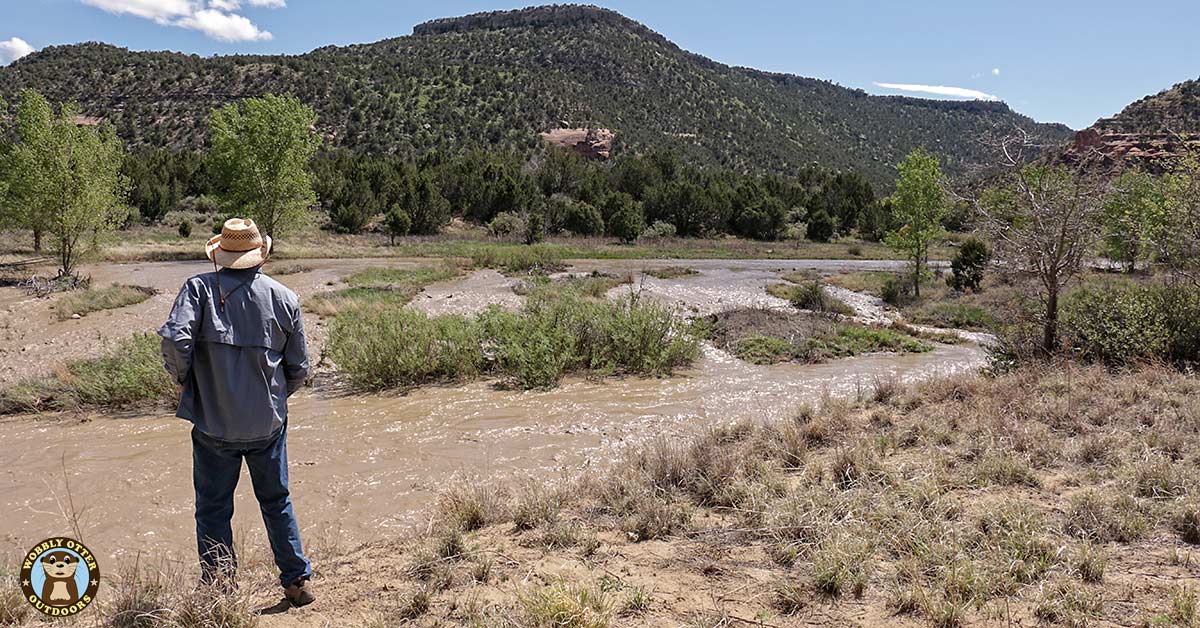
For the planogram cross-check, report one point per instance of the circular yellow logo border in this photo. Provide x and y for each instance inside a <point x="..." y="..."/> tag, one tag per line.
<point x="84" y="598"/>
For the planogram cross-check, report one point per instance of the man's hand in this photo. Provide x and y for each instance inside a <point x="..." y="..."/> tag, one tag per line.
<point x="178" y="392"/>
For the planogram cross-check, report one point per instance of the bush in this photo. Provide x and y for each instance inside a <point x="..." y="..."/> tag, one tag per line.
<point x="895" y="291"/>
<point x="535" y="258"/>
<point x="535" y="228"/>
<point x="820" y="226"/>
<point x="397" y="222"/>
<point x="660" y="229"/>
<point x="395" y="347"/>
<point x="1128" y="324"/>
<point x="185" y="229"/>
<point x="506" y="224"/>
<point x="561" y="605"/>
<point x="810" y="295"/>
<point x="131" y="373"/>
<point x="97" y="299"/>
<point x="554" y="335"/>
<point x="582" y="219"/>
<point x="951" y="314"/>
<point x="625" y="218"/>
<point x="968" y="265"/>
<point x="765" y="221"/>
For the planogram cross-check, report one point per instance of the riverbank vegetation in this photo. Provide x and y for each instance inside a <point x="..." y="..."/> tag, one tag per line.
<point x="557" y="332"/>
<point x="949" y="503"/>
<point x="82" y="303"/>
<point x="768" y="336"/>
<point x="129" y="374"/>
<point x="380" y="286"/>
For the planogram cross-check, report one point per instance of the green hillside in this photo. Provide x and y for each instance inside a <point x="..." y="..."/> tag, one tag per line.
<point x="495" y="80"/>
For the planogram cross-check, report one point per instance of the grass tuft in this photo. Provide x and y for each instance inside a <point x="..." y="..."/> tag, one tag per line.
<point x="84" y="302"/>
<point x="131" y="374"/>
<point x="563" y="605"/>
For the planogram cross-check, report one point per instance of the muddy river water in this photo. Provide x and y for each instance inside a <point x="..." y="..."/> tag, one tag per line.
<point x="363" y="466"/>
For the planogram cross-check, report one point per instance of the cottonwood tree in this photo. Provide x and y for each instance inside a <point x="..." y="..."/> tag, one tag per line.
<point x="65" y="180"/>
<point x="918" y="205"/>
<point x="1042" y="221"/>
<point x="261" y="149"/>
<point x="1179" y="244"/>
<point x="1134" y="218"/>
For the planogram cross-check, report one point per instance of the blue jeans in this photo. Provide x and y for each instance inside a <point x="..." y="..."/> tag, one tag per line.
<point x="216" y="465"/>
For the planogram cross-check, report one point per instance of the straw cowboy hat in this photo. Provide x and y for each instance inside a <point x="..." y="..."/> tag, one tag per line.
<point x="239" y="246"/>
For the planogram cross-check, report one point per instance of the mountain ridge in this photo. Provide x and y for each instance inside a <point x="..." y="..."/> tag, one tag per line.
<point x="1148" y="133"/>
<point x="498" y="79"/>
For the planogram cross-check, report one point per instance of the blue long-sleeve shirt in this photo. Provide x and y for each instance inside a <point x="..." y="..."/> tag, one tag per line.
<point x="237" y="364"/>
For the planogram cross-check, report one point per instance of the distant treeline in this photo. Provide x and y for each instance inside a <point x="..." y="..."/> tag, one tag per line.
<point x="567" y="192"/>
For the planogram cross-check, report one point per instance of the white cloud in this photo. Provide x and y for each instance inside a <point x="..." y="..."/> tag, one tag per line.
<point x="224" y="26"/>
<point x="234" y="5"/>
<point x="215" y="18"/>
<point x="995" y="71"/>
<point x="940" y="90"/>
<point x="161" y="11"/>
<point x="13" y="49"/>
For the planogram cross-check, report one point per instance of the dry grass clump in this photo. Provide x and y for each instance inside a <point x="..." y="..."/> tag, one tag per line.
<point x="1066" y="603"/>
<point x="91" y="300"/>
<point x="1095" y="516"/>
<point x="157" y="598"/>
<point x="129" y="375"/>
<point x="672" y="272"/>
<point x="537" y="504"/>
<point x="1187" y="522"/>
<point x="472" y="504"/>
<point x="564" y="605"/>
<point x="14" y="610"/>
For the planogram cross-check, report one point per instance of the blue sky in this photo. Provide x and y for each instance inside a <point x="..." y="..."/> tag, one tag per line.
<point x="1055" y="60"/>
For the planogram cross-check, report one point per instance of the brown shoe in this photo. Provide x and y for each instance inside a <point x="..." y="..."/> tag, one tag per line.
<point x="298" y="595"/>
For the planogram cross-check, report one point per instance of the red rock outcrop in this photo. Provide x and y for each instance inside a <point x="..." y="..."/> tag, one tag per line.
<point x="591" y="143"/>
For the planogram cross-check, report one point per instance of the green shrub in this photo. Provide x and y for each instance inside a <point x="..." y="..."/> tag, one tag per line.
<point x="185" y="229"/>
<point x="538" y="258"/>
<point x="394" y="347"/>
<point x="506" y="224"/>
<point x="820" y="226"/>
<point x="623" y="216"/>
<point x="895" y="291"/>
<point x="557" y="332"/>
<point x="132" y="373"/>
<point x="659" y="229"/>
<point x="810" y="295"/>
<point x="97" y="299"/>
<point x="535" y="228"/>
<point x="583" y="219"/>
<point x="762" y="349"/>
<point x="951" y="314"/>
<point x="397" y="222"/>
<point x="1121" y="325"/>
<point x="968" y="265"/>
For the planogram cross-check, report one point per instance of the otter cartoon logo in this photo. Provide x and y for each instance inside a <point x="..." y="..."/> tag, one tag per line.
<point x="59" y="576"/>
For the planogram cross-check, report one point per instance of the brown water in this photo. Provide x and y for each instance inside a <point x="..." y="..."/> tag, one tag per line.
<point x="362" y="465"/>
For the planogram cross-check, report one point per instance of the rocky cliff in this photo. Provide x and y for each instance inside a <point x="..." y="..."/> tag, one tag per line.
<point x="1148" y="133"/>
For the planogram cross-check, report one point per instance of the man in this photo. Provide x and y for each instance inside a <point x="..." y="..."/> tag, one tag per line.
<point x="235" y="344"/>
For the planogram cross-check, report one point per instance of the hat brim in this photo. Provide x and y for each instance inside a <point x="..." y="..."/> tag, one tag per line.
<point x="236" y="259"/>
